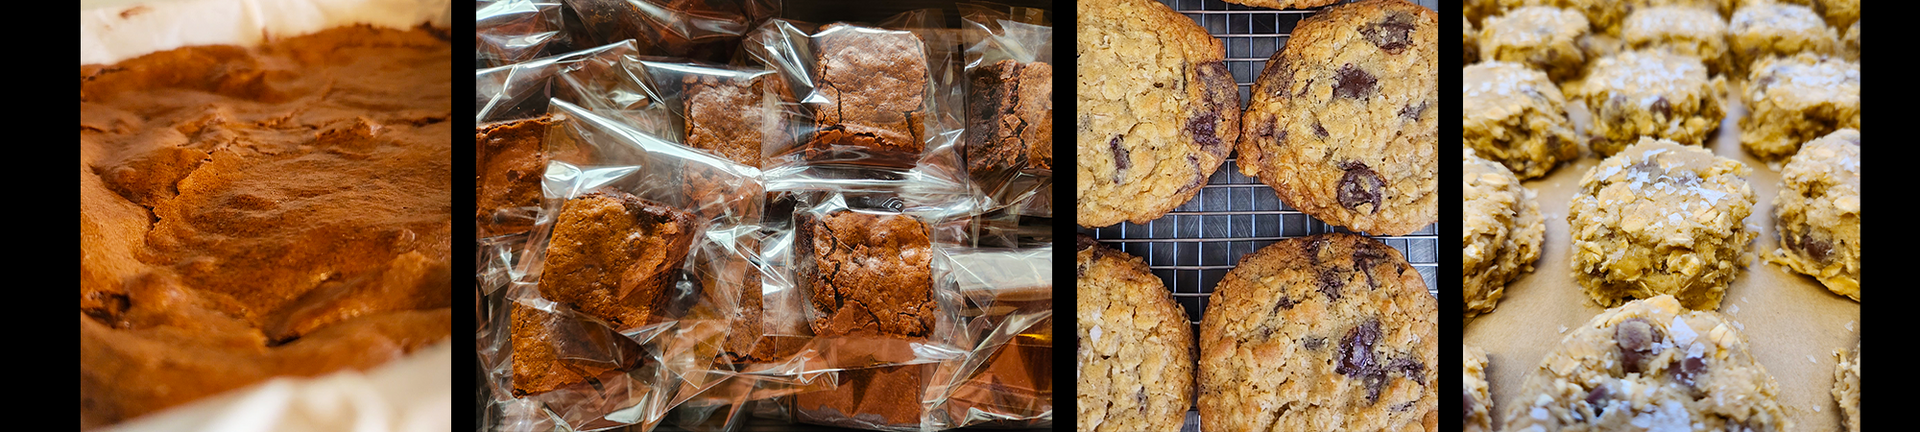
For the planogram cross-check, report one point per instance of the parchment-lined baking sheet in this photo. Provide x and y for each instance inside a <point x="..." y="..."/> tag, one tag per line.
<point x="1793" y="324"/>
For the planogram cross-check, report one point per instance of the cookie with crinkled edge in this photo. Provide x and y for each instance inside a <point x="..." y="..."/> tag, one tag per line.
<point x="1136" y="346"/>
<point x="1158" y="111"/>
<point x="1326" y="332"/>
<point x="1344" y="122"/>
<point x="1500" y="235"/>
<point x="1649" y="365"/>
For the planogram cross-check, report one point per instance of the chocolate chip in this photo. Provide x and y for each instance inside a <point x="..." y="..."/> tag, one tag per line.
<point x="1597" y="398"/>
<point x="1200" y="127"/>
<point x="1375" y="382"/>
<point x="1356" y="349"/>
<point x="1365" y="257"/>
<point x="1120" y="159"/>
<point x="1141" y="396"/>
<point x="1410" y="368"/>
<point x="1284" y="303"/>
<point x="1353" y="82"/>
<point x="1360" y="186"/>
<point x="1083" y="242"/>
<point x="1660" y="105"/>
<point x="1319" y="129"/>
<point x="1266" y="129"/>
<point x="1413" y="112"/>
<point x="1688" y="370"/>
<point x="1392" y="35"/>
<point x="1817" y="249"/>
<point x="1330" y="282"/>
<point x="1635" y="337"/>
<point x="1314" y="343"/>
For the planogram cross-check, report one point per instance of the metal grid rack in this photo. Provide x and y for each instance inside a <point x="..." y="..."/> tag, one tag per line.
<point x="1193" y="247"/>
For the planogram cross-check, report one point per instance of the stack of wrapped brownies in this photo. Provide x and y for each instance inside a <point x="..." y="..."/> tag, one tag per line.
<point x="702" y="214"/>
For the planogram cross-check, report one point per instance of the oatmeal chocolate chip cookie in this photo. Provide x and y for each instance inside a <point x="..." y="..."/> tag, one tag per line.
<point x="1762" y="30"/>
<point x="1158" y="110"/>
<point x="1846" y="390"/>
<point x="1344" y="121"/>
<point x="1650" y="365"/>
<point x="1682" y="30"/>
<point x="1475" y="404"/>
<point x="1284" y="4"/>
<point x="1515" y="116"/>
<point x="1655" y="94"/>
<point x="1792" y="100"/>
<point x="1469" y="42"/>
<point x="1136" y="346"/>
<point x="1817" y="214"/>
<point x="1327" y="332"/>
<point x="1501" y="232"/>
<point x="1661" y="218"/>
<point x="1550" y="39"/>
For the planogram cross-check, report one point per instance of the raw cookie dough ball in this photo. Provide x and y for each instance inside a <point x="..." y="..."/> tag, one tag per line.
<point x="1817" y="214"/>
<point x="1661" y="218"/>
<point x="1501" y="231"/>
<point x="1792" y="100"/>
<point x="1650" y="365"/>
<point x="1763" y="30"/>
<point x="1550" y="39"/>
<point x="1513" y="115"/>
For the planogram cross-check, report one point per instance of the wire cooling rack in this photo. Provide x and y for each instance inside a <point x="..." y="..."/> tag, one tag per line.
<point x="1193" y="247"/>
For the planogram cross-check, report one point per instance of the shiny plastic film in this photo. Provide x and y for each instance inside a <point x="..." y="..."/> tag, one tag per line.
<point x="882" y="95"/>
<point x="1008" y="144"/>
<point x="793" y="236"/>
<point x="703" y="30"/>
<point x="1006" y="378"/>
<point x="514" y="31"/>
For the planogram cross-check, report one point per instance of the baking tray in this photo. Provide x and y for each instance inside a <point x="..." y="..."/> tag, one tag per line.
<point x="1195" y="245"/>
<point x="1793" y="325"/>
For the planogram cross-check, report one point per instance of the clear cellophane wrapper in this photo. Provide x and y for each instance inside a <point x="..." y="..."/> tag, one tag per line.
<point x="1005" y="380"/>
<point x="993" y="34"/>
<point x="513" y="31"/>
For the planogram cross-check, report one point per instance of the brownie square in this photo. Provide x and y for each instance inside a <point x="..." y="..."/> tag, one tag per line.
<point x="538" y="366"/>
<point x="612" y="254"/>
<point x="867" y="274"/>
<point x="509" y="162"/>
<point x="1009" y="118"/>
<point x="869" y="89"/>
<point x="734" y="117"/>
